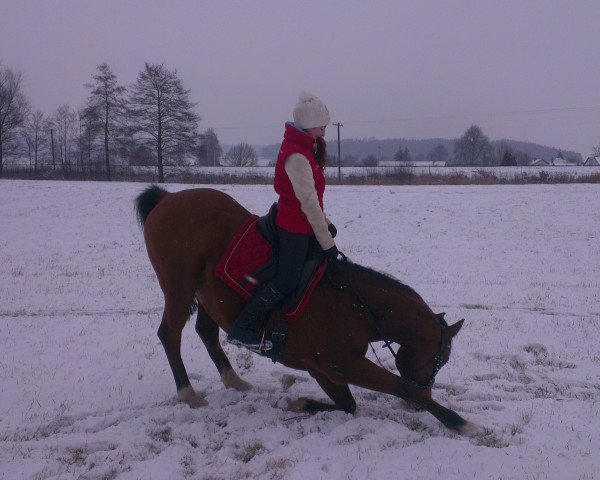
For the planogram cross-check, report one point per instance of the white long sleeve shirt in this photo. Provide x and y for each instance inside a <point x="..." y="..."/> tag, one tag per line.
<point x="300" y="174"/>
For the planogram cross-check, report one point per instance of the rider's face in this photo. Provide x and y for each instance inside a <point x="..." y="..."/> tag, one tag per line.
<point x="316" y="132"/>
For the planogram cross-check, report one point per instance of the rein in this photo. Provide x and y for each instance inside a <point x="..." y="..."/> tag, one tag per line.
<point x="437" y="361"/>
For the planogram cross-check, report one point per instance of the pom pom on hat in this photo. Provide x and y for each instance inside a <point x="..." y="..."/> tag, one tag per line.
<point x="310" y="112"/>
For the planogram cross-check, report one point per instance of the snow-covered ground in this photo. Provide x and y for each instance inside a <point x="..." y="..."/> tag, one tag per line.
<point x="86" y="391"/>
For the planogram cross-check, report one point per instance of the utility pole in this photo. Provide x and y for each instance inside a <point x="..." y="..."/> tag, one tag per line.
<point x="338" y="125"/>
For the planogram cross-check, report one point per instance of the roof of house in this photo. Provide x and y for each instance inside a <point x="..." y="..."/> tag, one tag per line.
<point x="538" y="161"/>
<point x="592" y="161"/>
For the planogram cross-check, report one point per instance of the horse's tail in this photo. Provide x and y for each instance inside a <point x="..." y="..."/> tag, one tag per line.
<point x="147" y="200"/>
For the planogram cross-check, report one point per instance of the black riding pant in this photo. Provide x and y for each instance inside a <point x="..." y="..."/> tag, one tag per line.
<point x="293" y="250"/>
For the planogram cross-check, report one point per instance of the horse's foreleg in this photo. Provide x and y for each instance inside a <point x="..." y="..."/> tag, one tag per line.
<point x="169" y="333"/>
<point x="208" y="331"/>
<point x="340" y="394"/>
<point x="364" y="373"/>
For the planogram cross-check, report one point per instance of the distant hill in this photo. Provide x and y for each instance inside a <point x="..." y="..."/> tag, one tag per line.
<point x="419" y="149"/>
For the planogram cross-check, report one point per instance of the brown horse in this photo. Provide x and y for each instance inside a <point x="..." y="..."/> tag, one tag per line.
<point x="187" y="232"/>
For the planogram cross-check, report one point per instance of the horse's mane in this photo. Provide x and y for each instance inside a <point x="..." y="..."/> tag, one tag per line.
<point x="385" y="278"/>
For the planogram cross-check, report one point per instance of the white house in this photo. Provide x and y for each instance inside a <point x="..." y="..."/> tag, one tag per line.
<point x="592" y="161"/>
<point x="539" y="162"/>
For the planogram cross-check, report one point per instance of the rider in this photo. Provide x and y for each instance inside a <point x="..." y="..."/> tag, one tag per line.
<point x="300" y="183"/>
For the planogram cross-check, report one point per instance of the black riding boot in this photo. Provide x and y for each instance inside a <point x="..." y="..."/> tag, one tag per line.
<point x="243" y="331"/>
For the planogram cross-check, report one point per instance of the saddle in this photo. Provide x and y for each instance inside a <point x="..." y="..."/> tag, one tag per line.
<point x="251" y="259"/>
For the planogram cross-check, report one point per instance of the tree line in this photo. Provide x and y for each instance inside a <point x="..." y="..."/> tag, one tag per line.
<point x="473" y="148"/>
<point x="151" y="122"/>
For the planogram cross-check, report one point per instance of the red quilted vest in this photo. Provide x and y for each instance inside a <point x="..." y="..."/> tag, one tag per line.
<point x="290" y="216"/>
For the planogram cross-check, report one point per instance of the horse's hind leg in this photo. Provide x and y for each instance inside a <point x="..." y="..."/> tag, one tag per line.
<point x="169" y="332"/>
<point x="340" y="394"/>
<point x="208" y="331"/>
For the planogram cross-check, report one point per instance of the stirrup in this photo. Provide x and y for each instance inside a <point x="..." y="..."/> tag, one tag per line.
<point x="263" y="346"/>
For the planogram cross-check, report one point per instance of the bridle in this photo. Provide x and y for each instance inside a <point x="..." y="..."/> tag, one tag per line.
<point x="444" y="345"/>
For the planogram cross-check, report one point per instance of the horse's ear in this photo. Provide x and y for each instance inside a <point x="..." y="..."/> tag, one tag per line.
<point x="452" y="330"/>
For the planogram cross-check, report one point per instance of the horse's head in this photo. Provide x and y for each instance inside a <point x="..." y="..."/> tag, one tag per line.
<point x="422" y="365"/>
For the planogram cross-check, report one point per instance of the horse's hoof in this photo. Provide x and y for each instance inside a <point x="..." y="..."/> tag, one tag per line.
<point x="231" y="380"/>
<point x="470" y="429"/>
<point x="189" y="396"/>
<point x="297" y="406"/>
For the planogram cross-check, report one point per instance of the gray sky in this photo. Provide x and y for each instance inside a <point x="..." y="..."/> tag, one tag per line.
<point x="526" y="70"/>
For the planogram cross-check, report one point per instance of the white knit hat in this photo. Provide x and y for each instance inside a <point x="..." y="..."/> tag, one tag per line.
<point x="310" y="112"/>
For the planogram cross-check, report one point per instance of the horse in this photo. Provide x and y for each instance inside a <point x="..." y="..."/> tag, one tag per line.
<point x="187" y="232"/>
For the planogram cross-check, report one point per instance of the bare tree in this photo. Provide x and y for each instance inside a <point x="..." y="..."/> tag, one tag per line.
<point x="596" y="151"/>
<point x="108" y="99"/>
<point x="65" y="121"/>
<point x="90" y="127"/>
<point x="35" y="131"/>
<point x="241" y="155"/>
<point x="209" y="149"/>
<point x="13" y="110"/>
<point x="472" y="148"/>
<point x="162" y="115"/>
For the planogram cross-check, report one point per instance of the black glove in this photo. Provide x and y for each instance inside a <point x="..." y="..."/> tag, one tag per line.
<point x="332" y="230"/>
<point x="332" y="253"/>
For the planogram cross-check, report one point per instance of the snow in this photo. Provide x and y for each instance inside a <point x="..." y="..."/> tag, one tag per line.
<point x="86" y="391"/>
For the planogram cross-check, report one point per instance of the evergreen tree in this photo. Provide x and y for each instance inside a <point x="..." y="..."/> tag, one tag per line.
<point x="402" y="155"/>
<point x="438" y="154"/>
<point x="107" y="98"/>
<point x="209" y="150"/>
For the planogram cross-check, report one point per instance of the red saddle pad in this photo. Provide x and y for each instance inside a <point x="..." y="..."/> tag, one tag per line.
<point x="247" y="252"/>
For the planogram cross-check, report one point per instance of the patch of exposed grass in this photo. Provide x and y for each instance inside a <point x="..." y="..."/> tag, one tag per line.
<point x="489" y="439"/>
<point x="247" y="452"/>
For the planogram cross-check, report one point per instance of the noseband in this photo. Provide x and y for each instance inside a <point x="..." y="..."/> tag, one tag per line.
<point x="437" y="360"/>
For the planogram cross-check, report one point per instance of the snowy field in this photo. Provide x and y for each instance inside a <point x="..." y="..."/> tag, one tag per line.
<point x="86" y="391"/>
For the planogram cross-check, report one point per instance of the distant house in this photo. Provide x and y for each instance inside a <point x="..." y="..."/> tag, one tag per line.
<point x="559" y="162"/>
<point x="539" y="162"/>
<point x="592" y="161"/>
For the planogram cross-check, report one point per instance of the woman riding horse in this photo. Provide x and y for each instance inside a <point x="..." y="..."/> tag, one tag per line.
<point x="300" y="183"/>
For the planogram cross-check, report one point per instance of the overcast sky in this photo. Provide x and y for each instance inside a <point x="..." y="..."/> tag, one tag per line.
<point x="526" y="70"/>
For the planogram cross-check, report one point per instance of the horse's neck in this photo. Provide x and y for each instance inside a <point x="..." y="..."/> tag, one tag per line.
<point x="399" y="311"/>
